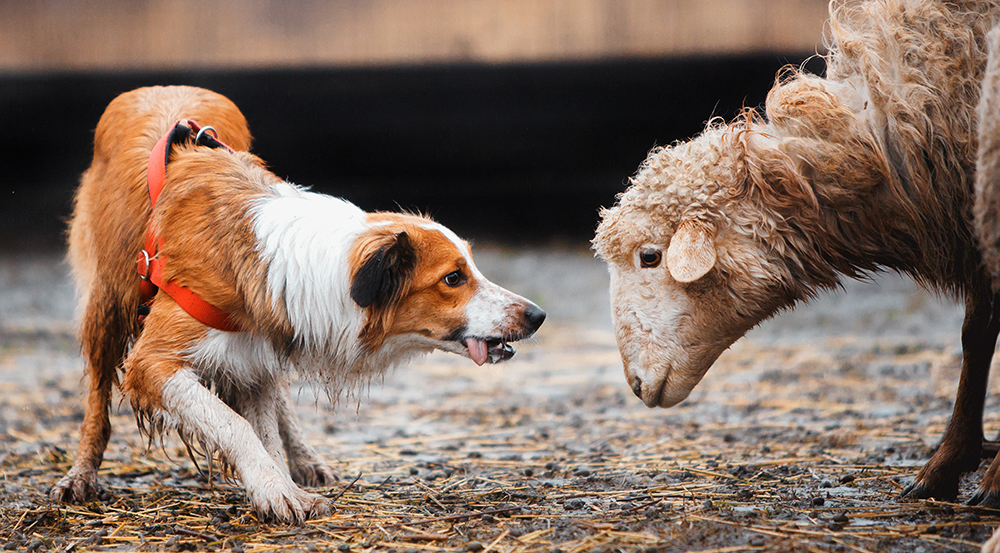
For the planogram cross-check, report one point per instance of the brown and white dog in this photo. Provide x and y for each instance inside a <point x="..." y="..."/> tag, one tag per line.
<point x="316" y="286"/>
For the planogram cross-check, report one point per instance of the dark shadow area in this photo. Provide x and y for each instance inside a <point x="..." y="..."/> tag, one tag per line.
<point x="511" y="153"/>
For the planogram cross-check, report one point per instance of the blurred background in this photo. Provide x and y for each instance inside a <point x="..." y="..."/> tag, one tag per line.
<point x="513" y="122"/>
<point x="508" y="120"/>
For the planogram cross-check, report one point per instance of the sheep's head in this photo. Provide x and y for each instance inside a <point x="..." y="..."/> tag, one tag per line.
<point x="717" y="234"/>
<point x="690" y="268"/>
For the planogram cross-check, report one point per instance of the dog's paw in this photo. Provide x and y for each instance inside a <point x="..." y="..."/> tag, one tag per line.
<point x="291" y="507"/>
<point x="314" y="473"/>
<point x="278" y="499"/>
<point x="78" y="486"/>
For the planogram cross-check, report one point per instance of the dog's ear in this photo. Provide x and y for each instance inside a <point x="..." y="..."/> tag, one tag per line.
<point x="384" y="273"/>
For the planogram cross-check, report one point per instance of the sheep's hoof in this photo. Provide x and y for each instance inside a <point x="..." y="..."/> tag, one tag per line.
<point x="988" y="494"/>
<point x="985" y="498"/>
<point x="945" y="489"/>
<point x="940" y="476"/>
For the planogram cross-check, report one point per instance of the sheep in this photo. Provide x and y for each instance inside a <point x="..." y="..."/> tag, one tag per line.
<point x="867" y="169"/>
<point x="987" y="193"/>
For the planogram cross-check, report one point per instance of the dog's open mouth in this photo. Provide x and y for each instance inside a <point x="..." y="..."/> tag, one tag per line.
<point x="493" y="350"/>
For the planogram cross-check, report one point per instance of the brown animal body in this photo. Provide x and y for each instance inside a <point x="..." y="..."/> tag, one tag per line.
<point x="987" y="202"/>
<point x="312" y="284"/>
<point x="111" y="212"/>
<point x="870" y="168"/>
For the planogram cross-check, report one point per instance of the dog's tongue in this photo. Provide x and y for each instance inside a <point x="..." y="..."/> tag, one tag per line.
<point x="477" y="350"/>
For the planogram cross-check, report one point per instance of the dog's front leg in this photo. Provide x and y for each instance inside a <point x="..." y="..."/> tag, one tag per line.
<point x="260" y="404"/>
<point x="267" y="407"/>
<point x="270" y="488"/>
<point x="306" y="465"/>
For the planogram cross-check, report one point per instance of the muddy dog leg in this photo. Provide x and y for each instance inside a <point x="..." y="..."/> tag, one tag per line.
<point x="267" y="407"/>
<point x="103" y="340"/>
<point x="269" y="486"/>
<point x="306" y="465"/>
<point x="260" y="405"/>
<point x="962" y="445"/>
<point x="159" y="379"/>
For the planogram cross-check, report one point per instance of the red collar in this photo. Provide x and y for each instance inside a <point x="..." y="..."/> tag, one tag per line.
<point x="151" y="262"/>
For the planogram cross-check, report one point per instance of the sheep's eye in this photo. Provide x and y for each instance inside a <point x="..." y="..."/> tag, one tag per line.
<point x="453" y="279"/>
<point x="649" y="259"/>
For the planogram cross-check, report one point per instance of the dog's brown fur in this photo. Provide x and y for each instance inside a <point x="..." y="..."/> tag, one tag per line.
<point x="316" y="286"/>
<point x="110" y="216"/>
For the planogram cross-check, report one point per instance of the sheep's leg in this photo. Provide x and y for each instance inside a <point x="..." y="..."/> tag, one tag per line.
<point x="987" y="202"/>
<point x="988" y="494"/>
<point x="962" y="445"/>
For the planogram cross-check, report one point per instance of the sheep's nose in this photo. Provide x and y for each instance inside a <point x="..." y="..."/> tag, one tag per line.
<point x="637" y="387"/>
<point x="535" y="317"/>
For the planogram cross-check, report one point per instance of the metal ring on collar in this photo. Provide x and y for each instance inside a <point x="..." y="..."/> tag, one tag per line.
<point x="145" y="256"/>
<point x="201" y="131"/>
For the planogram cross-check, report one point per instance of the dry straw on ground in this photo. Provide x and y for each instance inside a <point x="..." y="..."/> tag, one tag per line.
<point x="790" y="444"/>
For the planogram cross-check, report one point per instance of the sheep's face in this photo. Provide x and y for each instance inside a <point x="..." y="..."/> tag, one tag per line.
<point x="688" y="277"/>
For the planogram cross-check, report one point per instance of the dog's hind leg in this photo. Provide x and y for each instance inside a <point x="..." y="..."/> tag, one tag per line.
<point x="103" y="340"/>
<point x="306" y="465"/>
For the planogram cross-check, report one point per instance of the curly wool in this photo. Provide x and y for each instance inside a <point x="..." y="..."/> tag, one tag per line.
<point x="987" y="203"/>
<point x="868" y="168"/>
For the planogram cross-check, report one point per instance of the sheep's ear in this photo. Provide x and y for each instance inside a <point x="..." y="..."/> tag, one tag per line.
<point x="691" y="253"/>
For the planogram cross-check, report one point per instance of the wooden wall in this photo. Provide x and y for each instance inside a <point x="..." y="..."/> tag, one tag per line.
<point x="77" y="35"/>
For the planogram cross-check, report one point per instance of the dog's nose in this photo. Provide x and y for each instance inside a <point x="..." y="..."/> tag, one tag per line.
<point x="535" y="316"/>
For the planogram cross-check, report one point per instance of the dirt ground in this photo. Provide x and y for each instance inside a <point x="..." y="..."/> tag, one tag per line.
<point x="798" y="439"/>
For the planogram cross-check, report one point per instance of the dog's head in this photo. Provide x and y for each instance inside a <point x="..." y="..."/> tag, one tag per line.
<point x="416" y="278"/>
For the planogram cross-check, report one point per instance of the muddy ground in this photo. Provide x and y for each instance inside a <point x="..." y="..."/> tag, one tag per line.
<point x="798" y="439"/>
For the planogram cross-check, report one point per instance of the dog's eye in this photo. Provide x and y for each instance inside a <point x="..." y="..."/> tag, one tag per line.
<point x="453" y="279"/>
<point x="649" y="259"/>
